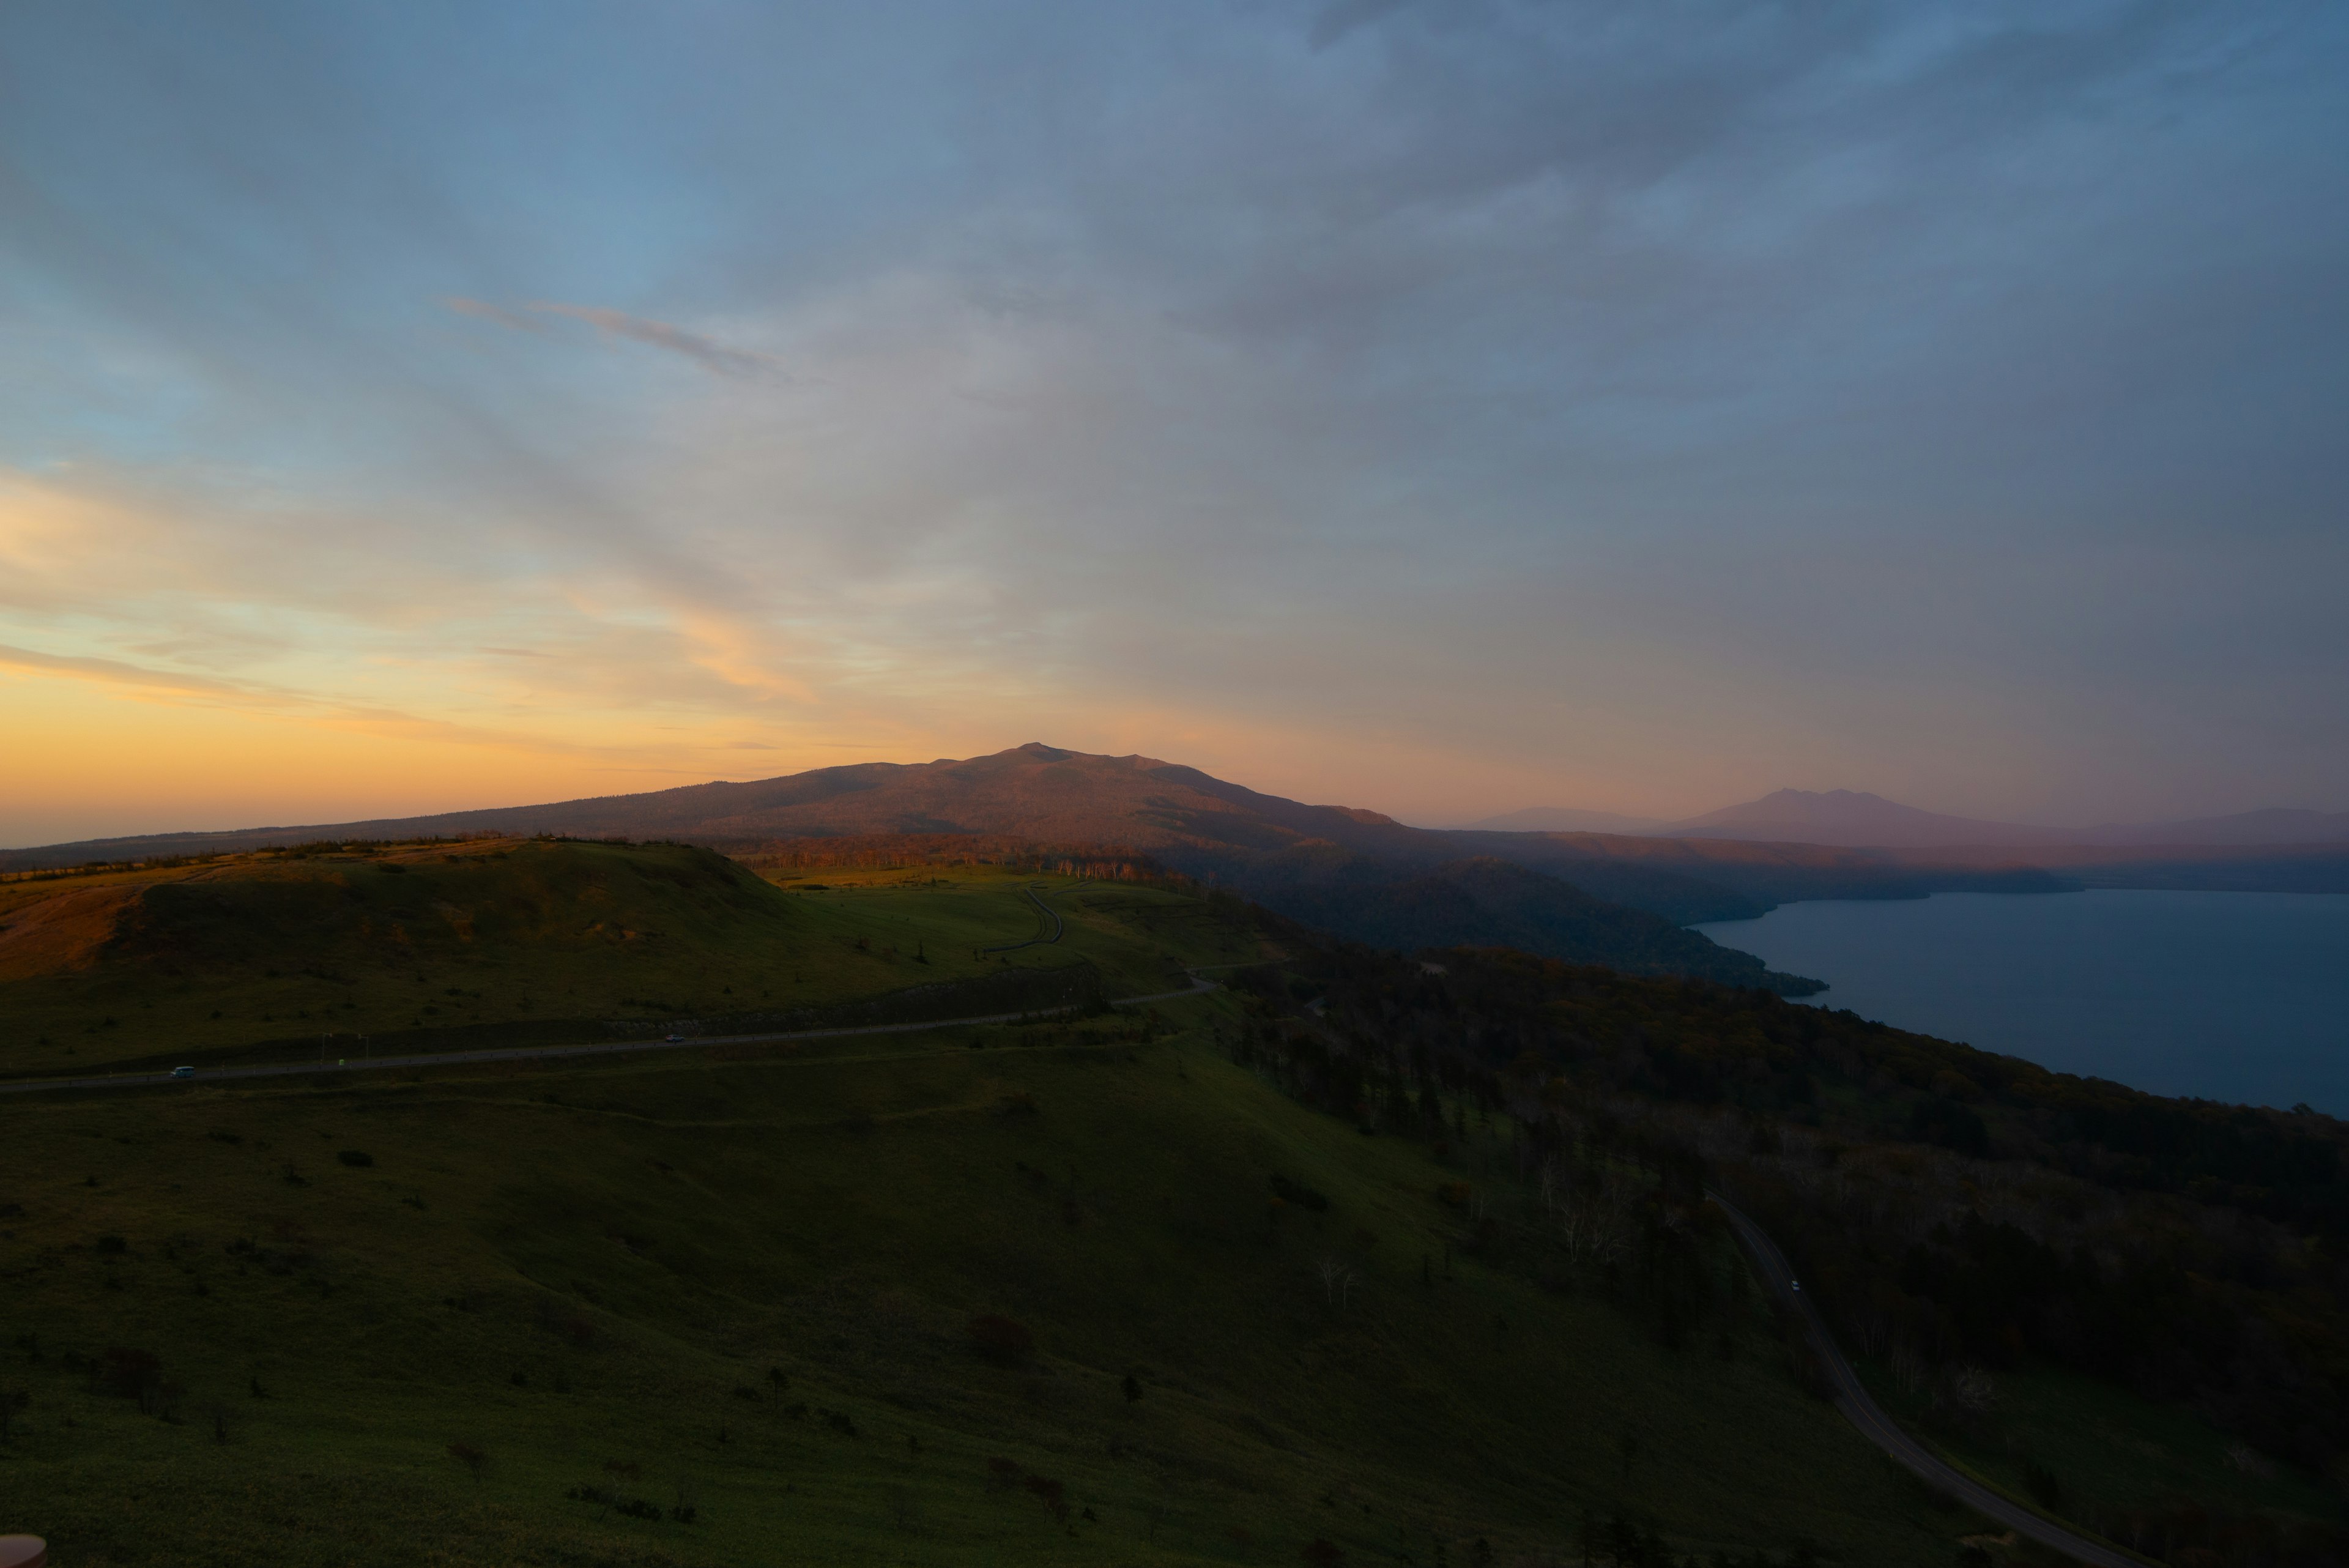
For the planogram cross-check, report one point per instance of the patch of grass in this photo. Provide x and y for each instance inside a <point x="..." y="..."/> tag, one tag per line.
<point x="719" y="1308"/>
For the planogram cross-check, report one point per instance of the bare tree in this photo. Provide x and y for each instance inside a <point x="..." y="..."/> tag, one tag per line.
<point x="1907" y="1366"/>
<point x="1336" y="1281"/>
<point x="1595" y="1226"/>
<point x="1972" y="1390"/>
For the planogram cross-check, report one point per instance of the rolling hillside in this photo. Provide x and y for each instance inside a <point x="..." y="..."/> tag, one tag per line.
<point x="1353" y="1261"/>
<point x="1083" y="1291"/>
<point x="341" y="951"/>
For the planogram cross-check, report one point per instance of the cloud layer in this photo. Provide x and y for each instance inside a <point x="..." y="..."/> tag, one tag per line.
<point x="1438" y="407"/>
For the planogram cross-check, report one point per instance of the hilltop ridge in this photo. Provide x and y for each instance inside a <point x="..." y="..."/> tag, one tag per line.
<point x="1183" y="818"/>
<point x="1344" y="868"/>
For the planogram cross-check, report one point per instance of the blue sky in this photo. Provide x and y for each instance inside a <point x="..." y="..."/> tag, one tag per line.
<point x="1442" y="408"/>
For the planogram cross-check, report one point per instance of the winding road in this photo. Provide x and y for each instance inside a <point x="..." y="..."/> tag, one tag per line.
<point x="1862" y="1411"/>
<point x="1055" y="926"/>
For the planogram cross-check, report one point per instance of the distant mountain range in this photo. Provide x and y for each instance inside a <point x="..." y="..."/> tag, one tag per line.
<point x="1599" y="897"/>
<point x="1350" y="871"/>
<point x="1184" y="818"/>
<point x="1855" y="819"/>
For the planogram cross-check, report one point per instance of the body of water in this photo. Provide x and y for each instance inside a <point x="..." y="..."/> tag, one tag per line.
<point x="2228" y="996"/>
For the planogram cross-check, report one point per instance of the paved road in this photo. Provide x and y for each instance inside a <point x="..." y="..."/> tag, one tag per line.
<point x="1862" y="1411"/>
<point x="557" y="1052"/>
<point x="1198" y="984"/>
<point x="1049" y="913"/>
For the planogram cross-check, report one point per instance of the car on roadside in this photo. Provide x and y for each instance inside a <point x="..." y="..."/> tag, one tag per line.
<point x="673" y="1039"/>
<point x="183" y="1072"/>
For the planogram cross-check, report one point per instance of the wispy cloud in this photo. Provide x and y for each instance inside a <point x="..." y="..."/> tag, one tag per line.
<point x="704" y="351"/>
<point x="115" y="672"/>
<point x="313" y="708"/>
<point x="1637" y="406"/>
<point x="707" y="352"/>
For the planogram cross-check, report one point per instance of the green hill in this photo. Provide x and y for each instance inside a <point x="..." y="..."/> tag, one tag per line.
<point x="1083" y="1291"/>
<point x="283" y="955"/>
<point x="1363" y="1259"/>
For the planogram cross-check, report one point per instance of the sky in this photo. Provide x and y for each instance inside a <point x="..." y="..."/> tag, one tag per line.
<point x="1441" y="408"/>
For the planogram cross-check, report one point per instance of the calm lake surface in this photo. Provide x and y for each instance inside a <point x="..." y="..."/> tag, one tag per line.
<point x="2228" y="996"/>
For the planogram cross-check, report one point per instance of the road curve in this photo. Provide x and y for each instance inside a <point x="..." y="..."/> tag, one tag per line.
<point x="557" y="1052"/>
<point x="1050" y="913"/>
<point x="1198" y="984"/>
<point x="1862" y="1411"/>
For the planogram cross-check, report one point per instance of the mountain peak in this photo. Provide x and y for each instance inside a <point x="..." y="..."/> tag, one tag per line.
<point x="1850" y="817"/>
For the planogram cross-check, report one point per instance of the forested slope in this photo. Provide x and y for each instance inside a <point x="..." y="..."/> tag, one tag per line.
<point x="1977" y="1228"/>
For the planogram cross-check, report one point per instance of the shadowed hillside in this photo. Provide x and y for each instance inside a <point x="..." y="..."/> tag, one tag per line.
<point x="1492" y="903"/>
<point x="1770" y="874"/>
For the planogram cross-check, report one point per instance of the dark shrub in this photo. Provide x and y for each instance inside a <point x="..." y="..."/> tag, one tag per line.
<point x="129" y="1374"/>
<point x="112" y="1244"/>
<point x="1051" y="1494"/>
<point x="2041" y="1482"/>
<point x="1951" y="1125"/>
<point x="1299" y="1194"/>
<point x="355" y="1156"/>
<point x="1000" y="1340"/>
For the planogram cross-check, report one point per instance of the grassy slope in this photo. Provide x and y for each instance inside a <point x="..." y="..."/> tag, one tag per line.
<point x="2111" y="1452"/>
<point x="638" y="1238"/>
<point x="260" y="956"/>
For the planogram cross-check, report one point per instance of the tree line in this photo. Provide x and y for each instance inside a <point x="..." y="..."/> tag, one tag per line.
<point x="1955" y="1213"/>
